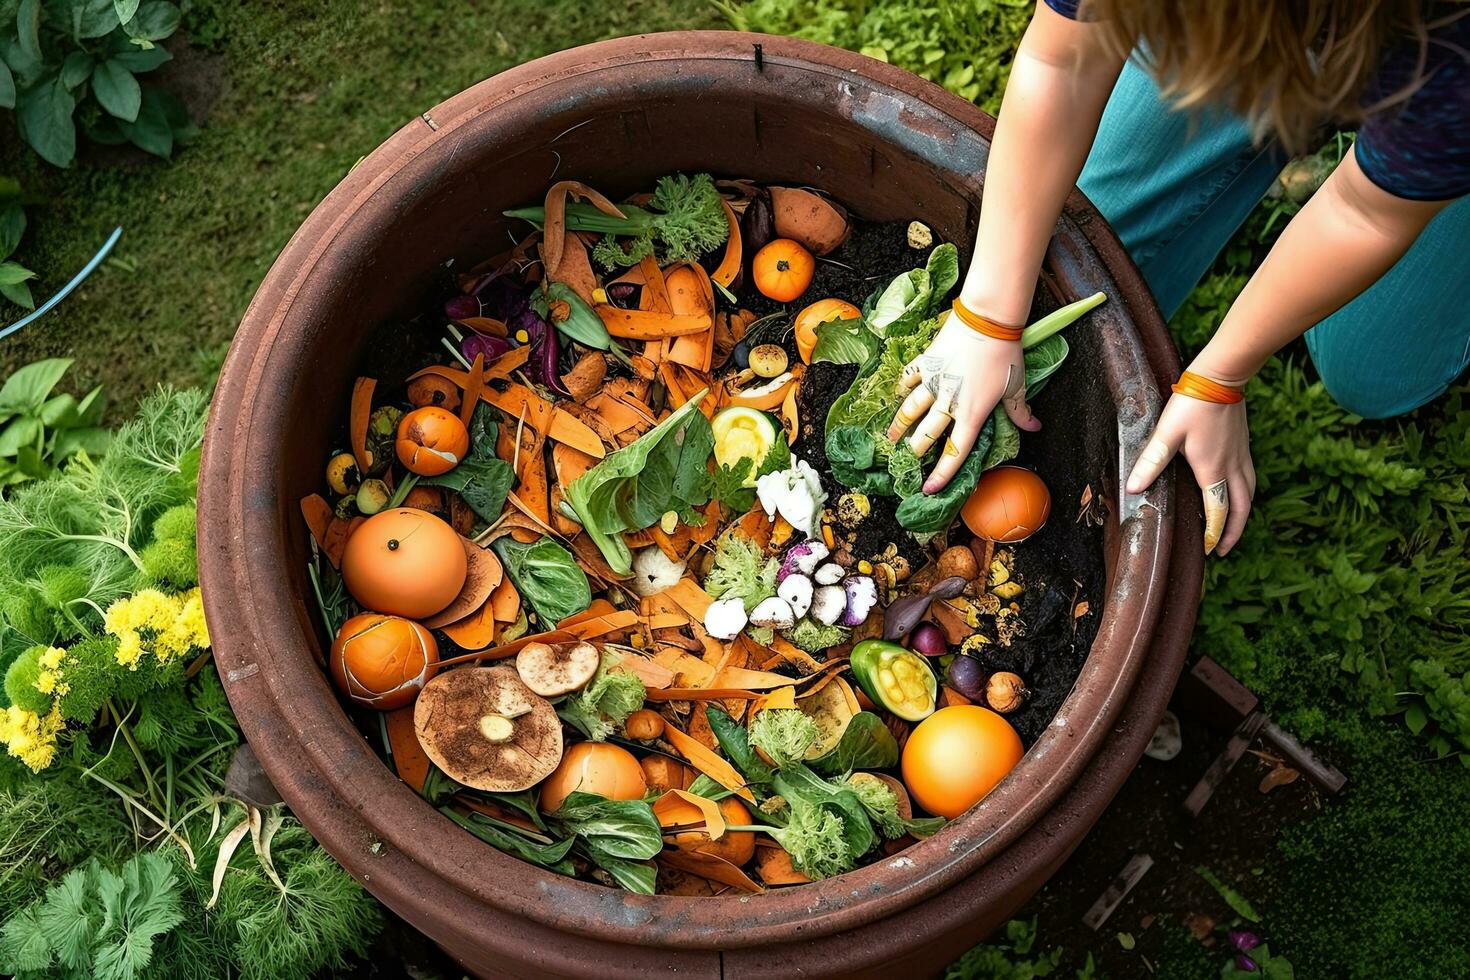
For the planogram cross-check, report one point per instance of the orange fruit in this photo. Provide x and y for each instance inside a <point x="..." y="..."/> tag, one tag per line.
<point x="382" y="661"/>
<point x="594" y="767"/>
<point x="431" y="441"/>
<point x="818" y="313"/>
<point x="783" y="270"/>
<point x="1010" y="503"/>
<point x="956" y="756"/>
<point x="404" y="562"/>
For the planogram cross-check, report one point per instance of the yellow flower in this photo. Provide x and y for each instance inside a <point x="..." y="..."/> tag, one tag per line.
<point x="129" y="648"/>
<point x="52" y="658"/>
<point x="168" y="626"/>
<point x="29" y="737"/>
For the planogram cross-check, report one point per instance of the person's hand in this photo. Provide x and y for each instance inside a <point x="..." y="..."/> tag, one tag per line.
<point x="1216" y="442"/>
<point x="958" y="381"/>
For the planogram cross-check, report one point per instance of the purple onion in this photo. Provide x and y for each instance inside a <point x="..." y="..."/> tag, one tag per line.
<point x="968" y="677"/>
<point x="1245" y="963"/>
<point x="928" y="640"/>
<point x="1244" y="940"/>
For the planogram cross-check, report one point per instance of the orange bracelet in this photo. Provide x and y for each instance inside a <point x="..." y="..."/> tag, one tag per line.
<point x="983" y="325"/>
<point x="1201" y="387"/>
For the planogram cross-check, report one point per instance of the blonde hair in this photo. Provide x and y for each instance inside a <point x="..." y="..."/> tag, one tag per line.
<point x="1286" y="66"/>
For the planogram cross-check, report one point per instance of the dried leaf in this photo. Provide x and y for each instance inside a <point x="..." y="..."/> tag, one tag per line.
<point x="1279" y="776"/>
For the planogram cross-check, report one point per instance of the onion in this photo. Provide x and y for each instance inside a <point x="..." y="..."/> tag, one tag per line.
<point x="928" y="640"/>
<point x="968" y="677"/>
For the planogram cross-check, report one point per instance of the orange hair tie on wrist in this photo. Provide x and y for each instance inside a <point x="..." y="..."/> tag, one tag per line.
<point x="1198" y="386"/>
<point x="983" y="325"/>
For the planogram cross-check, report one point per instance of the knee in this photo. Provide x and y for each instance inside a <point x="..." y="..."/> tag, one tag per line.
<point x="1365" y="389"/>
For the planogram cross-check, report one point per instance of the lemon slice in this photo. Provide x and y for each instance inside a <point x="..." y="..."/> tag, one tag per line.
<point x="743" y="433"/>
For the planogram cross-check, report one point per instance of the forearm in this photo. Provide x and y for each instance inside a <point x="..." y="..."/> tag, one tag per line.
<point x="1348" y="235"/>
<point x="1055" y="97"/>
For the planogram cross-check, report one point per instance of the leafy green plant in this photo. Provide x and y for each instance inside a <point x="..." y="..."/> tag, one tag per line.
<point x="95" y="922"/>
<point x="70" y="64"/>
<point x="40" y="430"/>
<point x="13" y="275"/>
<point x="965" y="45"/>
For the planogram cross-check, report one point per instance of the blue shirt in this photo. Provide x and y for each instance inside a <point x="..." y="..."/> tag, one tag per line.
<point x="1419" y="147"/>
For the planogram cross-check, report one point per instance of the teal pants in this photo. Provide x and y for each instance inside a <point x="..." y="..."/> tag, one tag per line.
<point x="1176" y="190"/>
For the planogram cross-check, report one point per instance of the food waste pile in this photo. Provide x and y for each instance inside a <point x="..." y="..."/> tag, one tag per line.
<point x="625" y="578"/>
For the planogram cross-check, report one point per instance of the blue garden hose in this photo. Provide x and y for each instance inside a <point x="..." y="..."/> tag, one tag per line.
<point x="66" y="290"/>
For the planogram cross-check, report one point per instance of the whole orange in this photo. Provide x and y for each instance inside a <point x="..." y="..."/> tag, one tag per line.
<point x="1010" y="503"/>
<point x="431" y="441"/>
<point x="782" y="270"/>
<point x="404" y="562"/>
<point x="382" y="661"/>
<point x="956" y="756"/>
<point x="818" y="313"/>
<point x="597" y="768"/>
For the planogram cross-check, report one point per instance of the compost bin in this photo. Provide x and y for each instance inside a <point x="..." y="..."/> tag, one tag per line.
<point x="618" y="114"/>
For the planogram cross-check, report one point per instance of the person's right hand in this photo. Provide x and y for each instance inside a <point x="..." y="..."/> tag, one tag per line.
<point x="958" y="381"/>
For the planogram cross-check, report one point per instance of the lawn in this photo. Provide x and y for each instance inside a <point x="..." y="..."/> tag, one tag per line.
<point x="1345" y="607"/>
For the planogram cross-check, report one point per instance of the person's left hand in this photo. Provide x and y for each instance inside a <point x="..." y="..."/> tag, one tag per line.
<point x="1216" y="442"/>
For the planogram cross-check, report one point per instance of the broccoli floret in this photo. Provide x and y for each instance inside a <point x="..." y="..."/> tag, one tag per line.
<point x="20" y="682"/>
<point x="813" y="637"/>
<point x="880" y="801"/>
<point x="740" y="568"/>
<point x="605" y="703"/>
<point x="813" y="838"/>
<point x="783" y="734"/>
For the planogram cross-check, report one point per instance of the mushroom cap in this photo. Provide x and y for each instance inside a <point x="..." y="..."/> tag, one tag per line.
<point x="552" y="671"/>
<point x="457" y="708"/>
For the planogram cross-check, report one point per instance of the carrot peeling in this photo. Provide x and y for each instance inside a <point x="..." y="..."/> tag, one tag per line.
<point x="359" y="414"/>
<point x="409" y="760"/>
<point x="708" y="762"/>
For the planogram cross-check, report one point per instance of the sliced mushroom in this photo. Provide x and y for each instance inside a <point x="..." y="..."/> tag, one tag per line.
<point x="487" y="730"/>
<point x="552" y="671"/>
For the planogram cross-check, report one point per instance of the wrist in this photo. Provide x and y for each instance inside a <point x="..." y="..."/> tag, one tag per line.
<point x="990" y="304"/>
<point x="1222" y="367"/>
<point x="986" y="326"/>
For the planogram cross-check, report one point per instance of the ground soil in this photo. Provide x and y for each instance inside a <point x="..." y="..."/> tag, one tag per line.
<point x="1173" y="906"/>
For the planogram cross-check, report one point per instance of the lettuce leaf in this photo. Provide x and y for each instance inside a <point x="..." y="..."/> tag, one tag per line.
<point x="844" y="342"/>
<point x="665" y="469"/>
<point x="916" y="295"/>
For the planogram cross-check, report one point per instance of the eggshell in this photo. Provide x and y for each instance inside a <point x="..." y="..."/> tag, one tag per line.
<point x="404" y="562"/>
<point x="382" y="661"/>
<point x="1009" y="504"/>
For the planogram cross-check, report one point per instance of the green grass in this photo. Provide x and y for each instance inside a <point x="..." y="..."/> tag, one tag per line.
<point x="308" y="89"/>
<point x="1344" y="606"/>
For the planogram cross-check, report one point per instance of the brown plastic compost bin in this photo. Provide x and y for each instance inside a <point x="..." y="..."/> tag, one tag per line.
<point x="618" y="114"/>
